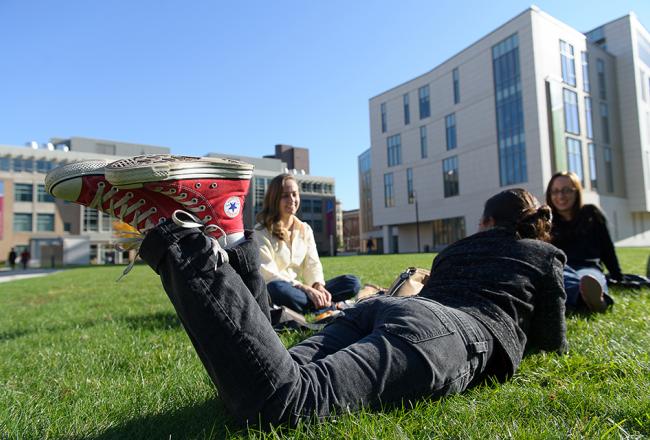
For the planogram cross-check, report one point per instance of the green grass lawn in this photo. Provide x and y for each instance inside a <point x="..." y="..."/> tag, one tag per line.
<point x="84" y="357"/>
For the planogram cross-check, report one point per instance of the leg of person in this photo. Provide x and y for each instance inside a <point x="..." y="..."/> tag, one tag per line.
<point x="283" y="293"/>
<point x="417" y="348"/>
<point x="353" y="325"/>
<point x="343" y="287"/>
<point x="244" y="260"/>
<point x="571" y="286"/>
<point x="593" y="289"/>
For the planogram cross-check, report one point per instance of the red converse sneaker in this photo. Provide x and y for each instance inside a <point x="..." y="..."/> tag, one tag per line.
<point x="212" y="189"/>
<point x="84" y="183"/>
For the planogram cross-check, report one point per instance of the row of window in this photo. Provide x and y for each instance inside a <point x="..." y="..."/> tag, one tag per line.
<point x="22" y="165"/>
<point x="574" y="163"/>
<point x="424" y="102"/>
<point x="24" y="192"/>
<point x="23" y="222"/>
<point x="449" y="181"/>
<point x="572" y="120"/>
<point x="567" y="62"/>
<point x="394" y="142"/>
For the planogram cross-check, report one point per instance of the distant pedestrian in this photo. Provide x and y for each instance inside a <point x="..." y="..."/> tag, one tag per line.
<point x="369" y="245"/>
<point x="24" y="258"/>
<point x="12" y="258"/>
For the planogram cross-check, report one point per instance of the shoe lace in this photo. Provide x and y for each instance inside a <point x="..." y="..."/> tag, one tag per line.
<point x="182" y="198"/>
<point x="132" y="239"/>
<point x="195" y="222"/>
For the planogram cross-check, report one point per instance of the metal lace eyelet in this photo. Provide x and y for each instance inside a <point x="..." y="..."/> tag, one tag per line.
<point x="194" y="200"/>
<point x="154" y="209"/>
<point x="213" y="185"/>
<point x="207" y="218"/>
<point x="101" y="184"/>
<point x="161" y="220"/>
<point x="197" y="185"/>
<point x="172" y="190"/>
<point x="202" y="208"/>
<point x="183" y="195"/>
<point x="129" y="195"/>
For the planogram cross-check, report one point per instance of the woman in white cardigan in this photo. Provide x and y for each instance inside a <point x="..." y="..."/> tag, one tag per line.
<point x="289" y="260"/>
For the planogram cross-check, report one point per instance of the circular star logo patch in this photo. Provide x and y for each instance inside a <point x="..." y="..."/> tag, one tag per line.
<point x="232" y="207"/>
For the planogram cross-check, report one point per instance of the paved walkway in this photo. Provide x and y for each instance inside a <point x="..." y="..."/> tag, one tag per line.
<point x="20" y="274"/>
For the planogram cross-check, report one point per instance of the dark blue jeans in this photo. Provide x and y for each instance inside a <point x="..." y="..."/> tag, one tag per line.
<point x="384" y="350"/>
<point x="283" y="293"/>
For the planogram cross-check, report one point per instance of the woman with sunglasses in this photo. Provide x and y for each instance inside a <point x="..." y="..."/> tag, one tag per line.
<point x="581" y="232"/>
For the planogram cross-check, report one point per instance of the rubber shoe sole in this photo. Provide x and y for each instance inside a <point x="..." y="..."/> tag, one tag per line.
<point x="134" y="172"/>
<point x="61" y="182"/>
<point x="592" y="294"/>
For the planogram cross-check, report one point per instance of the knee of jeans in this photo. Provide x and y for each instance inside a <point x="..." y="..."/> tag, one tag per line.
<point x="275" y="286"/>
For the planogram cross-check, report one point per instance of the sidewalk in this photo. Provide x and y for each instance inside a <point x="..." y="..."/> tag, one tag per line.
<point x="7" y="275"/>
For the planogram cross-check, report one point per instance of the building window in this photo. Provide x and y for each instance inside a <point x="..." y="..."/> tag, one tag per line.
<point x="604" y="120"/>
<point x="424" y="148"/>
<point x="456" y="79"/>
<point x="317" y="206"/>
<point x="593" y="173"/>
<point x="5" y="164"/>
<point x="600" y="68"/>
<point x="67" y="227"/>
<point x="571" y="112"/>
<point x="609" y="169"/>
<point x="389" y="200"/>
<point x="394" y="150"/>
<point x="305" y="206"/>
<point x="510" y="114"/>
<point x="447" y="230"/>
<point x="450" y="176"/>
<point x="407" y="109"/>
<point x="589" y="118"/>
<point x="91" y="220"/>
<point x="42" y="195"/>
<point x="383" y="117"/>
<point x="423" y="97"/>
<point x="586" y="85"/>
<point x="45" y="222"/>
<point x="574" y="153"/>
<point x="22" y="222"/>
<point x="23" y="165"/>
<point x="43" y="166"/>
<point x="450" y="130"/>
<point x="568" y="63"/>
<point x="24" y="192"/>
<point x="410" y="192"/>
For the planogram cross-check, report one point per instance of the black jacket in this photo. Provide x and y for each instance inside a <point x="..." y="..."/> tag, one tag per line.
<point x="514" y="287"/>
<point x="585" y="240"/>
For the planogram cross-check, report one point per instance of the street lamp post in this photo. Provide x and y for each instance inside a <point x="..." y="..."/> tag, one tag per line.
<point x="417" y="219"/>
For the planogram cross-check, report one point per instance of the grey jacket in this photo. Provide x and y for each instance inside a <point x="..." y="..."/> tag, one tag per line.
<point x="514" y="287"/>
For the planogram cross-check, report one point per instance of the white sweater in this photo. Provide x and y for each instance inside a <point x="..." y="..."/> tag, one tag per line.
<point x="294" y="263"/>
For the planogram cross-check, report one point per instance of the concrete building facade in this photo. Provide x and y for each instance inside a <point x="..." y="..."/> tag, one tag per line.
<point x="533" y="97"/>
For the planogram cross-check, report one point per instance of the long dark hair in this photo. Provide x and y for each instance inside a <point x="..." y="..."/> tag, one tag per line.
<point x="516" y="209"/>
<point x="575" y="181"/>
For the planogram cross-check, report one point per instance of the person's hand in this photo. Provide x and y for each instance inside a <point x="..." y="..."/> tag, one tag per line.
<point x="318" y="295"/>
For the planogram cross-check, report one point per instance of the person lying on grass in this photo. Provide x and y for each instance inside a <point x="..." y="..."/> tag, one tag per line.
<point x="490" y="296"/>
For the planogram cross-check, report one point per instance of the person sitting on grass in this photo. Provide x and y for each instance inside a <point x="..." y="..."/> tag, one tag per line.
<point x="288" y="256"/>
<point x="581" y="232"/>
<point x="490" y="296"/>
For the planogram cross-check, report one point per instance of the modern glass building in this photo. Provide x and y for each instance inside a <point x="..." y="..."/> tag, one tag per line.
<point x="552" y="99"/>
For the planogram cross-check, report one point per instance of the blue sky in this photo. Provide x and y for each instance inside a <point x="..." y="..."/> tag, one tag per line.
<point x="236" y="77"/>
